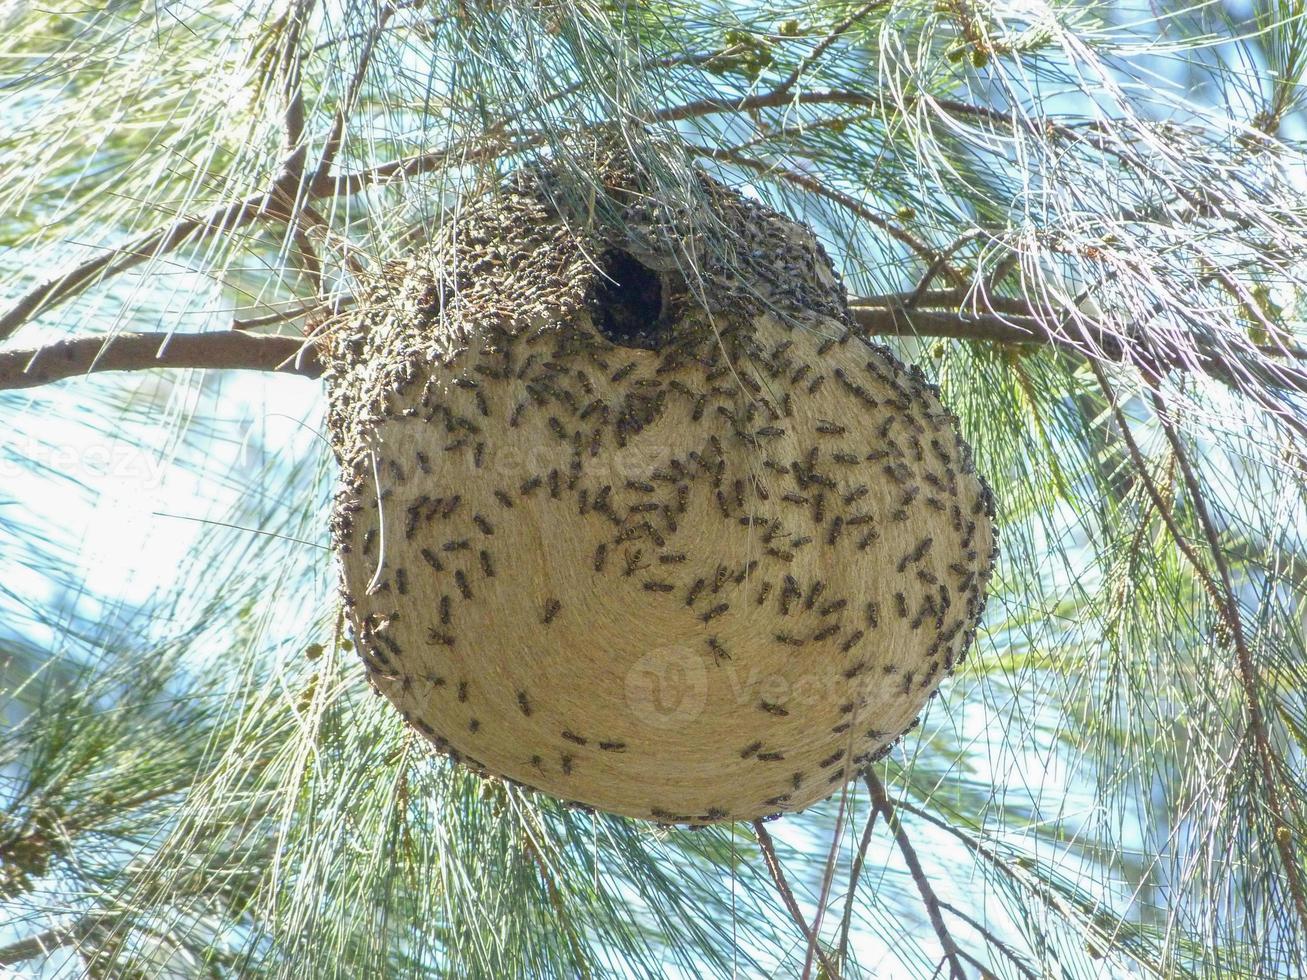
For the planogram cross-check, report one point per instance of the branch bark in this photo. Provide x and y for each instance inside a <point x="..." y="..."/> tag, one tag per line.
<point x="230" y="350"/>
<point x="952" y="955"/>
<point x="787" y="896"/>
<point x="1017" y="322"/>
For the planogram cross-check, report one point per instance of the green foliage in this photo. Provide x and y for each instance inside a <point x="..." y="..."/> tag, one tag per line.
<point x="1107" y="202"/>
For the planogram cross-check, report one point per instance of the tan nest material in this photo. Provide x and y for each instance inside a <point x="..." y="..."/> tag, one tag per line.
<point x="693" y="553"/>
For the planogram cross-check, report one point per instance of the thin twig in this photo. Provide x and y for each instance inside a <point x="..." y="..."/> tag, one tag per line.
<point x="293" y="87"/>
<point x="882" y="803"/>
<point x="846" y="201"/>
<point x="854" y="875"/>
<point x="824" y="44"/>
<point x="160" y="241"/>
<point x="1008" y="953"/>
<point x="1266" y="756"/>
<point x="827" y="878"/>
<point x="335" y="137"/>
<point x="787" y="896"/>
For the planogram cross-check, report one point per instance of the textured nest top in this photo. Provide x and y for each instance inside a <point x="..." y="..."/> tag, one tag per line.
<point x="533" y="252"/>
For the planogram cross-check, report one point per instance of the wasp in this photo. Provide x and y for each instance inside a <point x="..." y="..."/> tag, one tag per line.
<point x="836" y="527"/>
<point x="830" y="760"/>
<point x="819" y="508"/>
<point x="632" y="559"/>
<point x="715" y="611"/>
<point x="460" y="580"/>
<point x="832" y="607"/>
<point x="694" y="591"/>
<point x="916" y="554"/>
<point x="718" y="651"/>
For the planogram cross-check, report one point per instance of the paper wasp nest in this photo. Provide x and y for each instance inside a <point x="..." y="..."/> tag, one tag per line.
<point x="687" y="554"/>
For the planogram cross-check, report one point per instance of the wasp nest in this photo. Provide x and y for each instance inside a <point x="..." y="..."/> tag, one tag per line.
<point x="689" y="554"/>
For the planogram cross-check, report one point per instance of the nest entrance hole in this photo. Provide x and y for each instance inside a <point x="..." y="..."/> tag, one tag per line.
<point x="627" y="303"/>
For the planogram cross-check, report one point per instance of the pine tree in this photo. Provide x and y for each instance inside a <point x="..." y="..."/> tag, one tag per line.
<point x="1085" y="222"/>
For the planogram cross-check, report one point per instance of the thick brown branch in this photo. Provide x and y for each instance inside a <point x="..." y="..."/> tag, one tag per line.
<point x="231" y="350"/>
<point x="161" y="241"/>
<point x="888" y="318"/>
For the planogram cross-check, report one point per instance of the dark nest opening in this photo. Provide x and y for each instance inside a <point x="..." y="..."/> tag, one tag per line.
<point x="627" y="303"/>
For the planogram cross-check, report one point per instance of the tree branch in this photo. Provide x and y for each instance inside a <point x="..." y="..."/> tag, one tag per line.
<point x="230" y="350"/>
<point x="881" y="801"/>
<point x="854" y="875"/>
<point x="993" y="940"/>
<point x="45" y="943"/>
<point x="889" y="317"/>
<point x="787" y="896"/>
<point x="814" y="186"/>
<point x="1268" y="761"/>
<point x="823" y="46"/>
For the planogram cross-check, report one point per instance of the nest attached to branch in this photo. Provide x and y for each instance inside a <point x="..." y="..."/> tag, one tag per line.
<point x="645" y="525"/>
